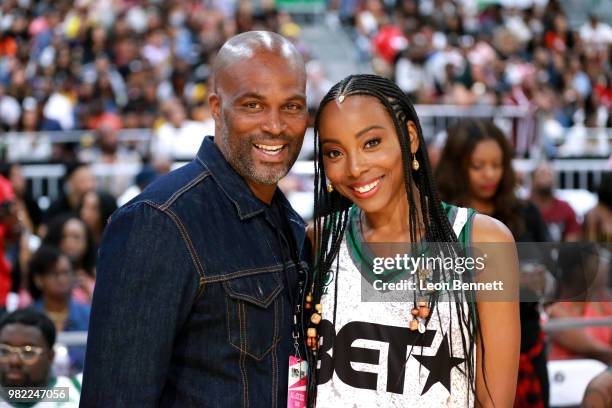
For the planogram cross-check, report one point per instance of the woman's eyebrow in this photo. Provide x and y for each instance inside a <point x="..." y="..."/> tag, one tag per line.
<point x="367" y="129"/>
<point x="357" y="135"/>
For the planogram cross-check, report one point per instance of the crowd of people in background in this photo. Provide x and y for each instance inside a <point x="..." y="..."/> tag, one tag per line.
<point x="51" y="255"/>
<point x="109" y="65"/>
<point x="467" y="52"/>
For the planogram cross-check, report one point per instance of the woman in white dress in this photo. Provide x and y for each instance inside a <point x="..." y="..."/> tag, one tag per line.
<point x="420" y="346"/>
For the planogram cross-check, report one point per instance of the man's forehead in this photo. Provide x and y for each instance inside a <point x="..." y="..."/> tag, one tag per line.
<point x="17" y="334"/>
<point x="260" y="75"/>
<point x="263" y="58"/>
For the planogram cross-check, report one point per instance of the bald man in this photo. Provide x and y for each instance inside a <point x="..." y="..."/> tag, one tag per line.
<point x="200" y="277"/>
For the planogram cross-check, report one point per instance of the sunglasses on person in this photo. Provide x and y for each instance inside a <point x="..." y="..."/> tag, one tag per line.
<point x="27" y="354"/>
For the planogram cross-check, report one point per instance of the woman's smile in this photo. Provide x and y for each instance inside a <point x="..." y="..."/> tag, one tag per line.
<point x="366" y="189"/>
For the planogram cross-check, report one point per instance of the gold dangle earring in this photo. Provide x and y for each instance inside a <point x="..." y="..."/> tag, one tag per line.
<point x="415" y="162"/>
<point x="330" y="188"/>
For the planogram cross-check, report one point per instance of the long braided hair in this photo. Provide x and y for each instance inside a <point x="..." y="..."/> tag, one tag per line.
<point x="331" y="212"/>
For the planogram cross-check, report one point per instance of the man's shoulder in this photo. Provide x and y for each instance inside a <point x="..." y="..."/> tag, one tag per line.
<point x="175" y="185"/>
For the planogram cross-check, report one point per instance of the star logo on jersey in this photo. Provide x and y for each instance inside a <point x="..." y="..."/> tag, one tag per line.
<point x="439" y="366"/>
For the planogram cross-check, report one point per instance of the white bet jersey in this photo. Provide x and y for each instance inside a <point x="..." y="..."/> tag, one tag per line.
<point x="375" y="360"/>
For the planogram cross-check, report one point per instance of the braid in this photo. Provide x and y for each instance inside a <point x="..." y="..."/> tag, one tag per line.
<point x="331" y="212"/>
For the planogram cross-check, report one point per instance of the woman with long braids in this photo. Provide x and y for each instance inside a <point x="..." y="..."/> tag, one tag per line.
<point x="373" y="185"/>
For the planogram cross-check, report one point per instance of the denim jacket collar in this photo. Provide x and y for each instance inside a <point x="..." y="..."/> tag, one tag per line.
<point x="234" y="186"/>
<point x="230" y="182"/>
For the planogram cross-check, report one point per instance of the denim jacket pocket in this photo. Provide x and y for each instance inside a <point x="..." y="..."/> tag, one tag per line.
<point x="254" y="312"/>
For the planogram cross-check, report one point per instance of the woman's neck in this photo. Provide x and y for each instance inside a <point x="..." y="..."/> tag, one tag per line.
<point x="391" y="223"/>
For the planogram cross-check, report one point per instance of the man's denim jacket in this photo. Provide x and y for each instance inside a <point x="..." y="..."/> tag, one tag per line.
<point x="190" y="307"/>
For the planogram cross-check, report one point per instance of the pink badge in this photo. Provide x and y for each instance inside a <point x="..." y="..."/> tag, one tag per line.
<point x="298" y="371"/>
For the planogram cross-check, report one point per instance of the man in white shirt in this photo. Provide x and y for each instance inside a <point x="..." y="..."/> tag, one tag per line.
<point x="596" y="33"/>
<point x="26" y="355"/>
<point x="178" y="137"/>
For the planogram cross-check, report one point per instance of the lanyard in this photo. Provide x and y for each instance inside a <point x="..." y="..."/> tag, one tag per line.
<point x="284" y="243"/>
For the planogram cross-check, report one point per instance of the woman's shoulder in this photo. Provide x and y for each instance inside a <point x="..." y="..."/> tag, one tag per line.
<point x="489" y="229"/>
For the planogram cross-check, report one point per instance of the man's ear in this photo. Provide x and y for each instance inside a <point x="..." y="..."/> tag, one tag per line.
<point x="414" y="136"/>
<point x="214" y="101"/>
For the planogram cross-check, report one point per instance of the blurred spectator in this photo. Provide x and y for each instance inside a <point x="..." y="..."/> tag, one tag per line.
<point x="107" y="148"/>
<point x="61" y="107"/>
<point x="29" y="144"/>
<point x="478" y="153"/>
<point x="146" y="175"/>
<point x="558" y="214"/>
<point x="78" y="180"/>
<point x="95" y="210"/>
<point x="595" y="33"/>
<point x="30" y="214"/>
<point x="410" y="73"/>
<point x="386" y="44"/>
<point x="368" y="21"/>
<point x="19" y="252"/>
<point x="157" y="49"/>
<point x="108" y="151"/>
<point x="73" y="238"/>
<point x="598" y="221"/>
<point x="524" y="93"/>
<point x="178" y="137"/>
<point x="10" y="111"/>
<point x="52" y="280"/>
<point x="317" y="84"/>
<point x="32" y="119"/>
<point x="584" y="286"/>
<point x="201" y="113"/>
<point x="9" y="232"/>
<point x="107" y="82"/>
<point x="27" y="340"/>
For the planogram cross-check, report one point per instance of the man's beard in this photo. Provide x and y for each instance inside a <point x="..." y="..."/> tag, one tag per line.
<point x="544" y="191"/>
<point x="240" y="157"/>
